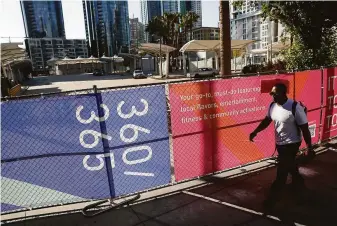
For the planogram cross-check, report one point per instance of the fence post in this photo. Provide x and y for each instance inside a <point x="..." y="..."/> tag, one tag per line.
<point x="321" y="120"/>
<point x="105" y="142"/>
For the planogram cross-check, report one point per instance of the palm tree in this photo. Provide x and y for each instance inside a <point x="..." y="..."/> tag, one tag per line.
<point x="170" y="26"/>
<point x="225" y="40"/>
<point x="183" y="25"/>
<point x="192" y="18"/>
<point x="172" y="20"/>
<point x="157" y="27"/>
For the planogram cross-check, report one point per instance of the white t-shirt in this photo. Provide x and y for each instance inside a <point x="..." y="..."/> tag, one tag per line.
<point x="285" y="127"/>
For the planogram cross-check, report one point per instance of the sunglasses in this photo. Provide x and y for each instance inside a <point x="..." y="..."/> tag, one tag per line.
<point x="273" y="94"/>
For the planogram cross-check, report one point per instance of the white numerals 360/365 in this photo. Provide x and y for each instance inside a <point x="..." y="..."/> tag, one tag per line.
<point x="97" y="135"/>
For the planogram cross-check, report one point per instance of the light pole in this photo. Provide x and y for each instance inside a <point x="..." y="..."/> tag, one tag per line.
<point x="161" y="65"/>
<point x="271" y="41"/>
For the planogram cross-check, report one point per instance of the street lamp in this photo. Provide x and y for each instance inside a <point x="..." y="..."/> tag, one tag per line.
<point x="161" y="65"/>
<point x="160" y="60"/>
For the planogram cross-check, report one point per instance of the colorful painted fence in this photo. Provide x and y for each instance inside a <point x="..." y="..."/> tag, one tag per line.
<point x="65" y="149"/>
<point x="74" y="148"/>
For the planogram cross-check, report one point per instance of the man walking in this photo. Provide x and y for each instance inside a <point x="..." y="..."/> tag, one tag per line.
<point x="289" y="120"/>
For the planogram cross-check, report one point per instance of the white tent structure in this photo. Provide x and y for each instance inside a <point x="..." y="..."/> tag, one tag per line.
<point x="158" y="50"/>
<point x="112" y="60"/>
<point x="78" y="60"/>
<point x="135" y="58"/>
<point x="272" y="49"/>
<point x="211" y="46"/>
<point x="52" y="61"/>
<point x="77" y="65"/>
<point x="13" y="54"/>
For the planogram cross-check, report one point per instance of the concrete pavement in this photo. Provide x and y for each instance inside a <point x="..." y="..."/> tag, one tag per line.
<point x="59" y="83"/>
<point x="219" y="200"/>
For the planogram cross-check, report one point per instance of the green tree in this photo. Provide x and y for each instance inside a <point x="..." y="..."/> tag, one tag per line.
<point x="171" y="27"/>
<point x="191" y="19"/>
<point x="158" y="27"/>
<point x="311" y="26"/>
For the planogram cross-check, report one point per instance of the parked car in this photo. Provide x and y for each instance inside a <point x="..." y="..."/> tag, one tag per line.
<point x="98" y="72"/>
<point x="138" y="74"/>
<point x="203" y="72"/>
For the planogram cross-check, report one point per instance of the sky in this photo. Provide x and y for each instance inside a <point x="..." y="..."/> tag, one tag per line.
<point x="11" y="23"/>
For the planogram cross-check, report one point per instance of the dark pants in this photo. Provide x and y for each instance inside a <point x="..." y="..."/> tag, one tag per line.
<point x="286" y="164"/>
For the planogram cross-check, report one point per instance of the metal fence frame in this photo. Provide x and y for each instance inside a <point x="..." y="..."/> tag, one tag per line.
<point x="136" y="195"/>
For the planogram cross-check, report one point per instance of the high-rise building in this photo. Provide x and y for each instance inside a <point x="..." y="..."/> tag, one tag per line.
<point x="43" y="19"/>
<point x="40" y="50"/>
<point x="192" y="6"/>
<point x="170" y="6"/>
<point x="206" y="33"/>
<point x="149" y="10"/>
<point x="107" y="27"/>
<point x="185" y="6"/>
<point x="247" y="23"/>
<point x="136" y="33"/>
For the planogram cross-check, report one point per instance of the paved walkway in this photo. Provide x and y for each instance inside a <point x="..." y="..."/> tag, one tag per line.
<point x="59" y="83"/>
<point x="221" y="201"/>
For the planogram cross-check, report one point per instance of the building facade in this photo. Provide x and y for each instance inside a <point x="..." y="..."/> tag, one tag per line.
<point x="136" y="33"/>
<point x="149" y="10"/>
<point x="40" y="50"/>
<point x="192" y="6"/>
<point x="107" y="27"/>
<point x="247" y="23"/>
<point x="169" y="6"/>
<point x="206" y="33"/>
<point x="43" y="19"/>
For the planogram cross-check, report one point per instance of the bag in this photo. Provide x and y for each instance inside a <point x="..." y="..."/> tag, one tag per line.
<point x="301" y="158"/>
<point x="293" y="111"/>
<point x="293" y="108"/>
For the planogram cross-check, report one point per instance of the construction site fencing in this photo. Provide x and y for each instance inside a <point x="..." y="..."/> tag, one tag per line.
<point x="107" y="143"/>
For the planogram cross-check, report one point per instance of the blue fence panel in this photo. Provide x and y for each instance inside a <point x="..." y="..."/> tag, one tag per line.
<point x="52" y="149"/>
<point x="49" y="181"/>
<point x="48" y="126"/>
<point x="47" y="147"/>
<point x="139" y="140"/>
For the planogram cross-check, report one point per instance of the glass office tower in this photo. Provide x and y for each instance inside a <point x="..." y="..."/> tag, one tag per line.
<point x="107" y="27"/>
<point x="192" y="6"/>
<point x="170" y="6"/>
<point x="43" y="19"/>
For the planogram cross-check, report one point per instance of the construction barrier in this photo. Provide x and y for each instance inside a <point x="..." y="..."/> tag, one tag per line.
<point x="116" y="142"/>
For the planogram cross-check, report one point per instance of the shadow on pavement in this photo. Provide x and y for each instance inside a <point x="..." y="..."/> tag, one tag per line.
<point x="317" y="205"/>
<point x="39" y="91"/>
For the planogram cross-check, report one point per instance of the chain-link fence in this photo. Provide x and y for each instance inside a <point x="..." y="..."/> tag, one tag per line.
<point x="97" y="144"/>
